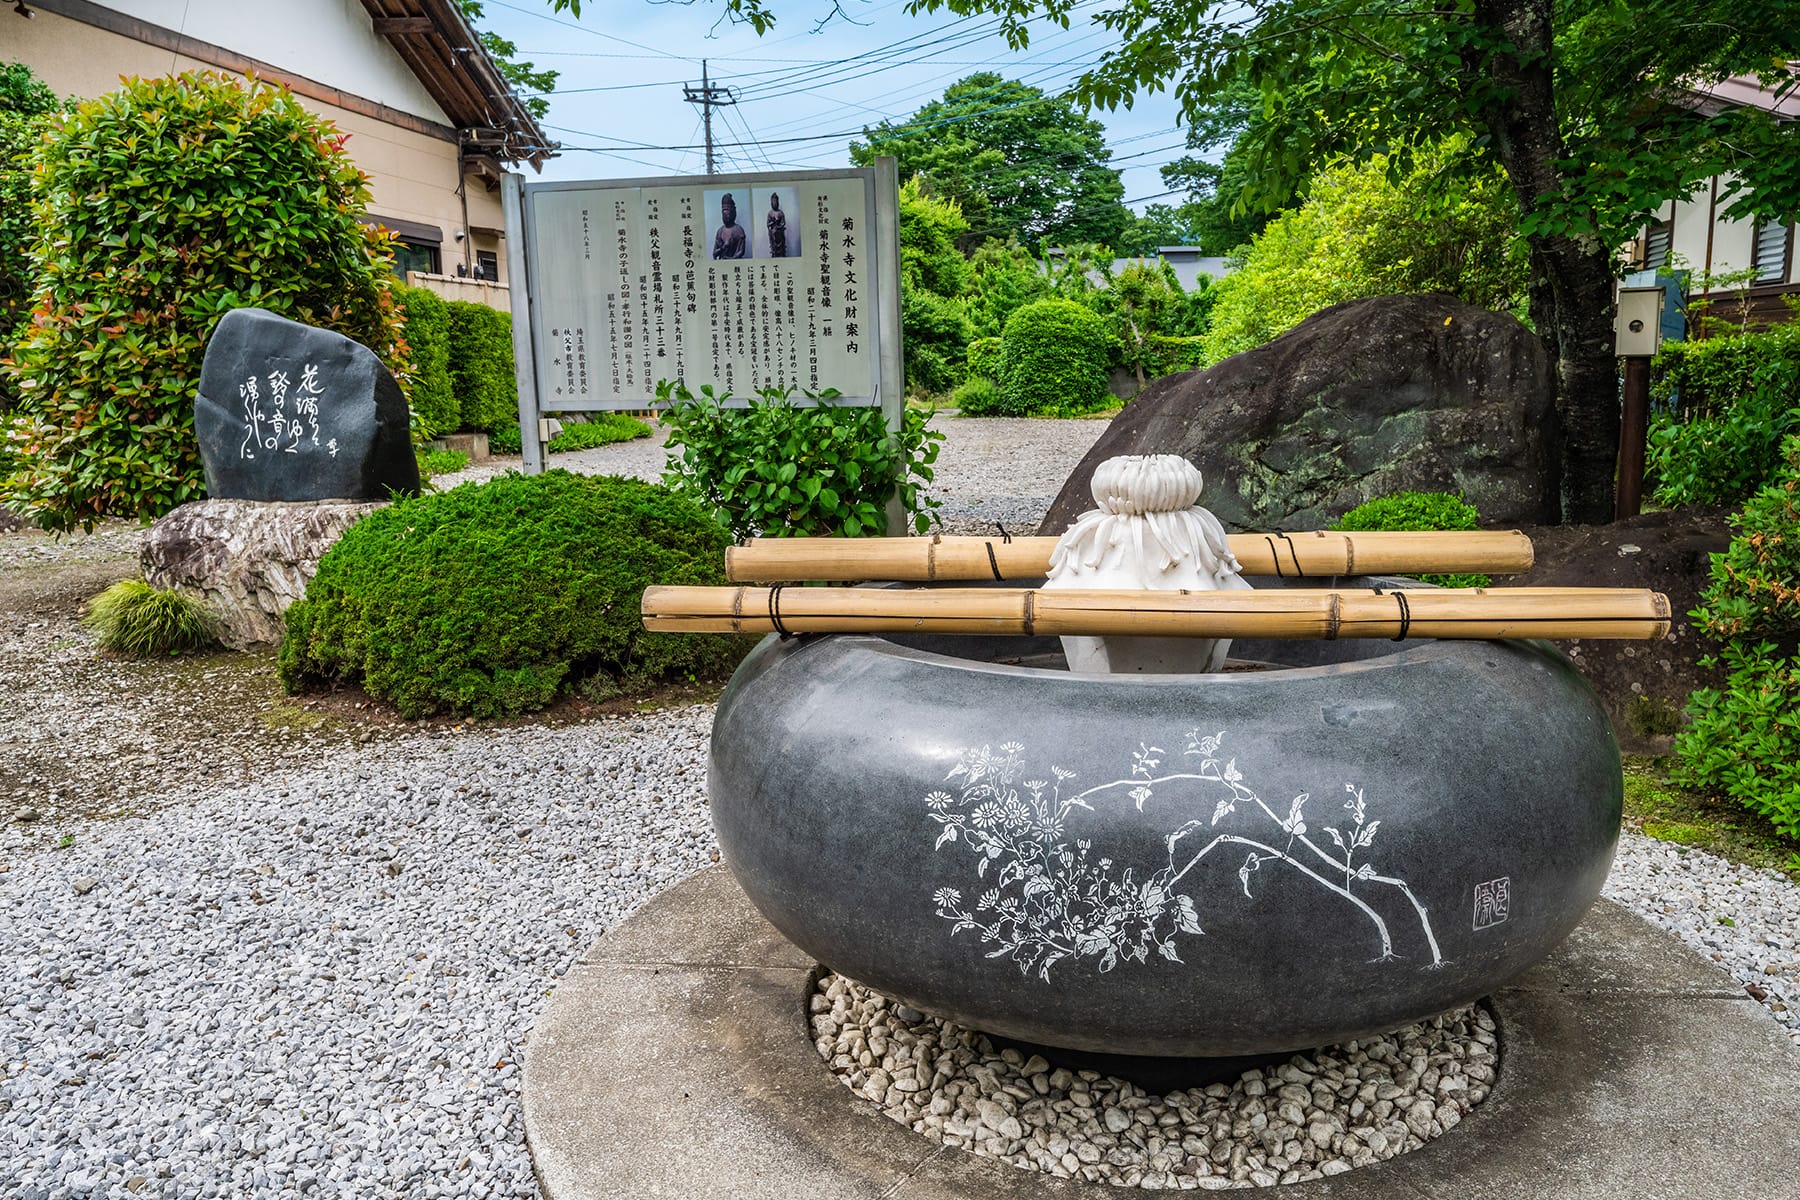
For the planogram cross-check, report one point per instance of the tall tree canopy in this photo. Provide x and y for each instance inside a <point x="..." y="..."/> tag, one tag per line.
<point x="1020" y="164"/>
<point x="523" y="76"/>
<point x="1586" y="105"/>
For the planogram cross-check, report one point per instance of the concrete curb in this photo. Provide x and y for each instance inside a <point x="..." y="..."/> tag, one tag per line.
<point x="674" y="1061"/>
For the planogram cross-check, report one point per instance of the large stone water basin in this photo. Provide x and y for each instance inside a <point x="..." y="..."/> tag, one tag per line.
<point x="1358" y="835"/>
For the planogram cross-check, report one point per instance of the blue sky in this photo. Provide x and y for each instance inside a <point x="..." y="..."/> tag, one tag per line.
<point x="803" y="93"/>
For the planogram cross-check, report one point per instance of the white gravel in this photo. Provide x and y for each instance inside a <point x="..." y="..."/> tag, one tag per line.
<point x="321" y="985"/>
<point x="318" y="983"/>
<point x="1318" y="1114"/>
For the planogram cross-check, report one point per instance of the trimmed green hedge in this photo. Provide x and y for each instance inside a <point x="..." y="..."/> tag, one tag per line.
<point x="427" y="333"/>
<point x="1053" y="360"/>
<point x="481" y="365"/>
<point x="979" y="396"/>
<point x="495" y="598"/>
<point x="1417" y="510"/>
<point x="1728" y="403"/>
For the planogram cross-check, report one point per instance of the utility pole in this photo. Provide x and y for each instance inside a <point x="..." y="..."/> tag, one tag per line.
<point x="708" y="96"/>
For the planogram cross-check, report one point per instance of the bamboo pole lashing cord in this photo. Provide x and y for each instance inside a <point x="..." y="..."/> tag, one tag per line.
<point x="1271" y="613"/>
<point x="1315" y="554"/>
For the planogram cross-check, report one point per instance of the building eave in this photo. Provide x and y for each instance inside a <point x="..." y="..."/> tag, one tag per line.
<point x="439" y="45"/>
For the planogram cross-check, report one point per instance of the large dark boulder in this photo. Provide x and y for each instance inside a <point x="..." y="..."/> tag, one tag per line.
<point x="290" y="412"/>
<point x="1394" y="393"/>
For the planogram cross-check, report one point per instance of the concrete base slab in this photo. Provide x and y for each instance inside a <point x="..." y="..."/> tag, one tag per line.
<point x="674" y="1061"/>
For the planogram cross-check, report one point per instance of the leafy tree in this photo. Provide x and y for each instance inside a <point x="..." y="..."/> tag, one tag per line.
<point x="1003" y="277"/>
<point x="1020" y="164"/>
<point x="1361" y="235"/>
<point x="1577" y="101"/>
<point x="159" y="208"/>
<point x="523" y="76"/>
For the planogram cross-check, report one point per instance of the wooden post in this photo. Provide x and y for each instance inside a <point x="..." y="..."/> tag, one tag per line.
<point x="1634" y="425"/>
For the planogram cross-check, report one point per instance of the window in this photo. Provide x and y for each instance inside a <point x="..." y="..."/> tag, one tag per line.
<point x="414" y="256"/>
<point x="1769" y="251"/>
<point x="487" y="265"/>
<point x="1656" y="245"/>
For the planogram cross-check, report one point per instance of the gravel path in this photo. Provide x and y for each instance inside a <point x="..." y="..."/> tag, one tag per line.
<point x="315" y="977"/>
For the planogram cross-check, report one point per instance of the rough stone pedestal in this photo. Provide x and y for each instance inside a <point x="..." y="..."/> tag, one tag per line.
<point x="246" y="560"/>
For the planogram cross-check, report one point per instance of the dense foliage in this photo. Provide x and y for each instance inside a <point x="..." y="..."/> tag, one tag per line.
<point x="481" y="366"/>
<point x="1422" y="511"/>
<point x="492" y="599"/>
<point x="979" y="396"/>
<point x="1003" y="278"/>
<point x="1361" y="234"/>
<point x="1053" y="358"/>
<point x="139" y="621"/>
<point x="159" y="208"/>
<point x="1744" y="739"/>
<point x="1725" y="406"/>
<point x="778" y="468"/>
<point x="1571" y="100"/>
<point x="24" y="100"/>
<point x="985" y="358"/>
<point x="1019" y="163"/>
<point x="933" y="276"/>
<point x="427" y="332"/>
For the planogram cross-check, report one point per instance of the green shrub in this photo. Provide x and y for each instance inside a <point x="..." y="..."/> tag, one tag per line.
<point x="1728" y="403"/>
<point x="1744" y="739"/>
<point x="481" y="365"/>
<point x="159" y="208"/>
<point x="979" y="396"/>
<point x="602" y="429"/>
<point x="440" y="462"/>
<point x="985" y="358"/>
<point x="428" y="337"/>
<point x="778" y="468"/>
<point x="1053" y="360"/>
<point x="494" y="598"/>
<point x="137" y="620"/>
<point x="506" y="439"/>
<point x="1417" y="510"/>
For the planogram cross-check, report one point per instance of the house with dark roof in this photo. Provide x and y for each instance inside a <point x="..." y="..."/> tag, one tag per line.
<point x="1744" y="267"/>
<point x="430" y="118"/>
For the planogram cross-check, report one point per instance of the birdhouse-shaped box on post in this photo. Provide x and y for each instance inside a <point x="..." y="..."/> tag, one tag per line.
<point x="1637" y="328"/>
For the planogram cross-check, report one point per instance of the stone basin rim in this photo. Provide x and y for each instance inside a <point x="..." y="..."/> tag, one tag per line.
<point x="1414" y="650"/>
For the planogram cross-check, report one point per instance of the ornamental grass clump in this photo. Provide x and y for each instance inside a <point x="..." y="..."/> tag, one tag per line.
<point x="1417" y="511"/>
<point x="495" y="598"/>
<point x="157" y="209"/>
<point x="139" y="621"/>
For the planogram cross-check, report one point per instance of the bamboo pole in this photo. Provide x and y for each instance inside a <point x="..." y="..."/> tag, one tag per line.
<point x="1319" y="553"/>
<point x="1274" y="613"/>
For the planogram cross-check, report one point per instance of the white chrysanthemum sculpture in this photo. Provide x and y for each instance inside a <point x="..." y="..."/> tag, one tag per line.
<point x="1147" y="533"/>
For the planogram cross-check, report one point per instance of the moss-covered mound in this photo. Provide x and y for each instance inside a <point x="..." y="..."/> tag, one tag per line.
<point x="494" y="598"/>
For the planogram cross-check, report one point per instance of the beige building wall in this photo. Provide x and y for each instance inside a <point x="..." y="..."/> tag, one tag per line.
<point x="413" y="171"/>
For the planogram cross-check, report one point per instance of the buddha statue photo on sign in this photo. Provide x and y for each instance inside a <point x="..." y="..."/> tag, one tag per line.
<point x="730" y="239"/>
<point x="778" y="234"/>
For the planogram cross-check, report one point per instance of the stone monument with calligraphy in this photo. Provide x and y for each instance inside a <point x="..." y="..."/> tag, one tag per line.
<point x="290" y="412"/>
<point x="302" y="433"/>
